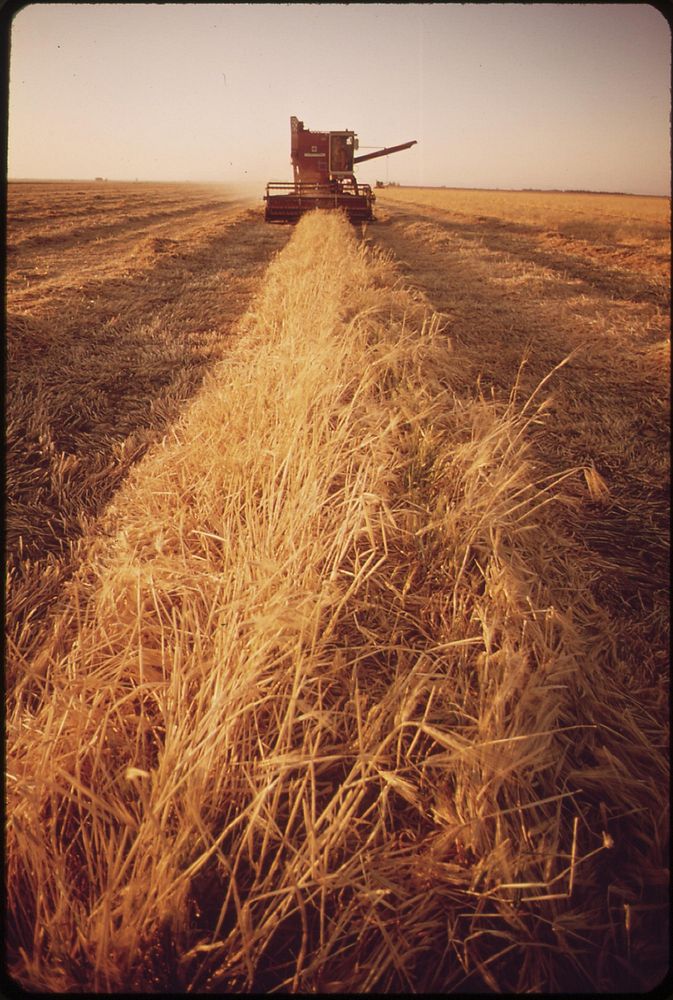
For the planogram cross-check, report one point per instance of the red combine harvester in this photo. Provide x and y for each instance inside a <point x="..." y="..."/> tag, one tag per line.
<point x="323" y="176"/>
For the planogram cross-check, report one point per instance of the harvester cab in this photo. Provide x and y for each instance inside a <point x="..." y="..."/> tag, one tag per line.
<point x="322" y="164"/>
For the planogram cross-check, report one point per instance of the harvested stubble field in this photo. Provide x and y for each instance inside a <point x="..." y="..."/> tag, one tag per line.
<point x="337" y="613"/>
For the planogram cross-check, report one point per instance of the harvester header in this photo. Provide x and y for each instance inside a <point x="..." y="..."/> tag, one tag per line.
<point x="322" y="164"/>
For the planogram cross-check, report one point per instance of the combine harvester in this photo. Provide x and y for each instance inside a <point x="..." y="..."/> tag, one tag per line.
<point x="323" y="176"/>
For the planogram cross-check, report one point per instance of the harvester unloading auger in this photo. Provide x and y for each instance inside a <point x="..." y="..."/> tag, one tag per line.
<point x="323" y="176"/>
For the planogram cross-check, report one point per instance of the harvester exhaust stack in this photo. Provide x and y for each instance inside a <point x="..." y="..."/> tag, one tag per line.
<point x="322" y="164"/>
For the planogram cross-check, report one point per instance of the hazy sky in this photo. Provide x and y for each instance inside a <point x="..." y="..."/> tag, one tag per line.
<point x="497" y="95"/>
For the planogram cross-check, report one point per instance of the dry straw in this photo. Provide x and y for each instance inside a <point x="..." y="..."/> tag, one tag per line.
<point x="331" y="707"/>
<point x="110" y="329"/>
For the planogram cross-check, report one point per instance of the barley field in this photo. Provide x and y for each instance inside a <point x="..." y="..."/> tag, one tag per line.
<point x="337" y="593"/>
